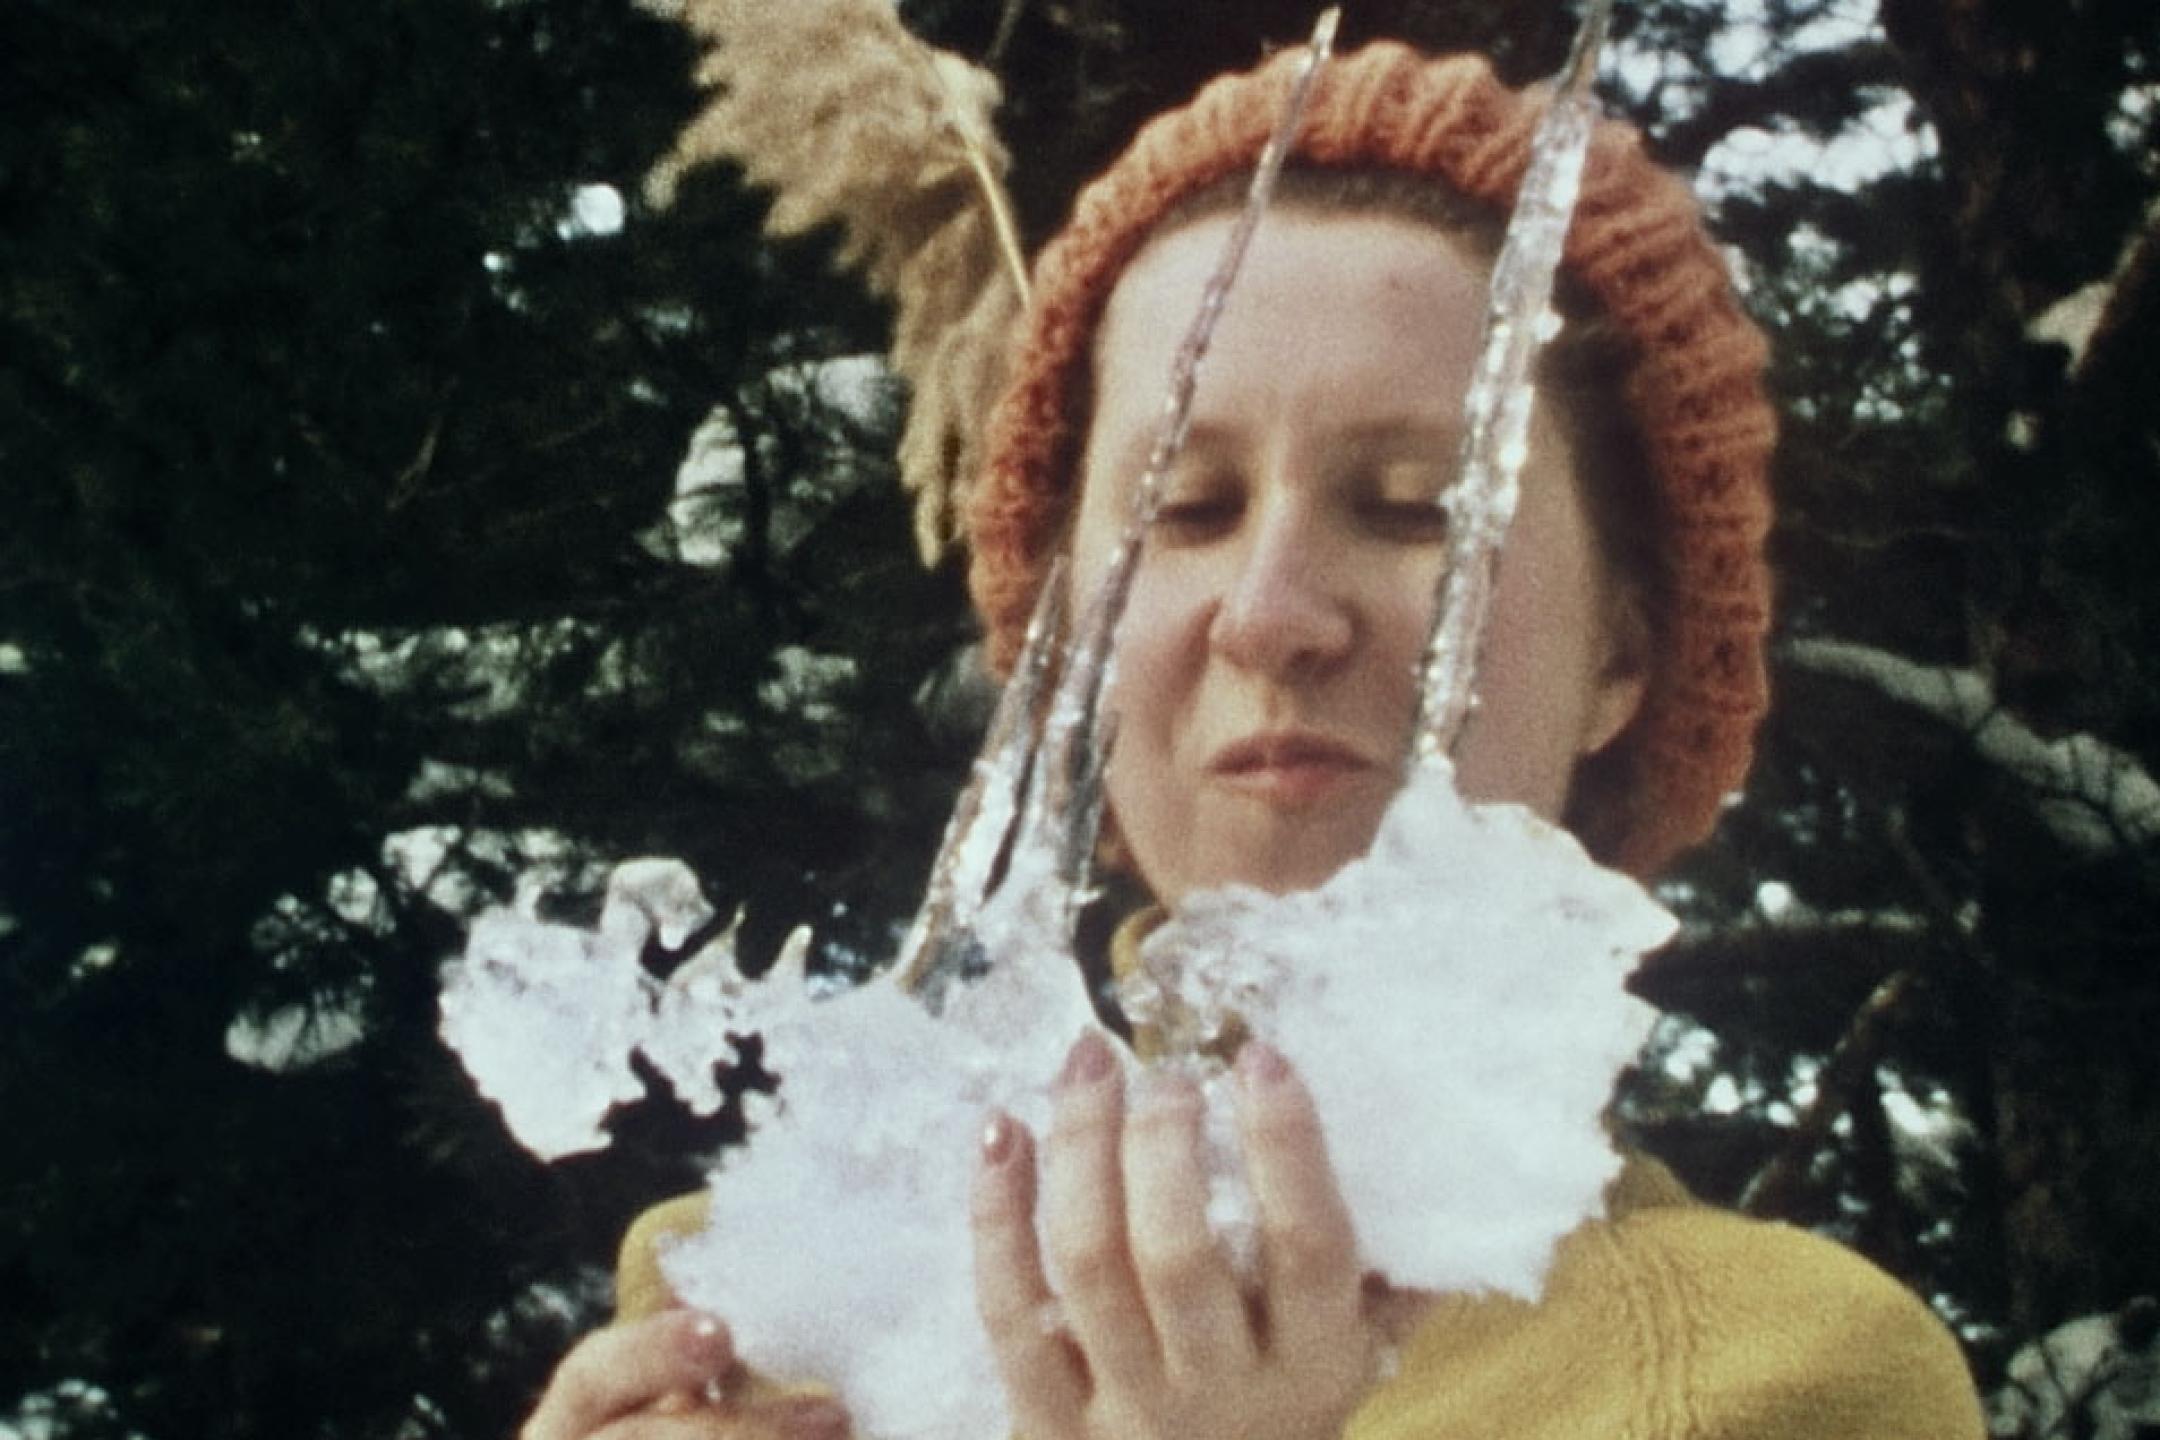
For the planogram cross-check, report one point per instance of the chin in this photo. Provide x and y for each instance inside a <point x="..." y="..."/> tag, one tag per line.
<point x="1304" y="873"/>
<point x="1281" y="851"/>
<point x="1278" y="871"/>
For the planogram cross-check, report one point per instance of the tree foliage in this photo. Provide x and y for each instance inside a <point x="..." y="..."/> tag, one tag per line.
<point x="342" y="456"/>
<point x="350" y="573"/>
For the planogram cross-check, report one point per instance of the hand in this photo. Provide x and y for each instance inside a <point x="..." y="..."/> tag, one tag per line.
<point x="1162" y="1343"/>
<point x="672" y="1376"/>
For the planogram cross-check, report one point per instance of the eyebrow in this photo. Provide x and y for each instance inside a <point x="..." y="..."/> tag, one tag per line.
<point x="1385" y="435"/>
<point x="1404" y="432"/>
<point x="1130" y="459"/>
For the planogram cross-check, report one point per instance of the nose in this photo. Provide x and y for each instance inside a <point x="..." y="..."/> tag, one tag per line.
<point x="1284" y="611"/>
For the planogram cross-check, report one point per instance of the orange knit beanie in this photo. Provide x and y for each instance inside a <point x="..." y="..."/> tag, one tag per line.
<point x="1636" y="249"/>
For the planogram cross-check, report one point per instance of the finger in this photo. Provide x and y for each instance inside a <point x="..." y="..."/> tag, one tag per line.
<point x="1012" y="1295"/>
<point x="1183" y="1272"/>
<point x="627" y="1368"/>
<point x="1084" y="1221"/>
<point x="799" y="1417"/>
<point x="1308" y="1248"/>
<point x="796" y="1418"/>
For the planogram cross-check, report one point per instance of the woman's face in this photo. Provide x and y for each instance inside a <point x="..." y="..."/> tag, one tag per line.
<point x="1267" y="665"/>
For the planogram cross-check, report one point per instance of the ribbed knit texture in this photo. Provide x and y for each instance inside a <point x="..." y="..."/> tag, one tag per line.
<point x="1673" y="1321"/>
<point x="1636" y="248"/>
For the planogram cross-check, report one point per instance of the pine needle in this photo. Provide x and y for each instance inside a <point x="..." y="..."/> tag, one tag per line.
<point x="848" y="118"/>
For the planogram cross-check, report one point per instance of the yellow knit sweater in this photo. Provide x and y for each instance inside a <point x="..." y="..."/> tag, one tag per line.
<point x="1665" y="1320"/>
<point x="1673" y="1320"/>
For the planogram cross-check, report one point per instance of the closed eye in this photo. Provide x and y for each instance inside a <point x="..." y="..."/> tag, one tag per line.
<point x="1397" y="494"/>
<point x="1412" y="522"/>
<point x="1195" y="516"/>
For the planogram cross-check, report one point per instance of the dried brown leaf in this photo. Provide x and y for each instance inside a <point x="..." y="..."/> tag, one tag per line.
<point x="955" y="383"/>
<point x="849" y="119"/>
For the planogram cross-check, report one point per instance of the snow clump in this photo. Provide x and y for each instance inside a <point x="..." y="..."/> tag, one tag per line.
<point x="1454" y="1000"/>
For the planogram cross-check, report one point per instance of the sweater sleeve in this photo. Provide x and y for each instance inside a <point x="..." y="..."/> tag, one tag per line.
<point x="1684" y="1323"/>
<point x="642" y="1289"/>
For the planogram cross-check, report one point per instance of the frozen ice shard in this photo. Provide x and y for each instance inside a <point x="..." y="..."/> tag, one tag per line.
<point x="1496" y="411"/>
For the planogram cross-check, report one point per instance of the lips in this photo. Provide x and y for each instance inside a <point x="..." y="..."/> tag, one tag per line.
<point x="1289" y="768"/>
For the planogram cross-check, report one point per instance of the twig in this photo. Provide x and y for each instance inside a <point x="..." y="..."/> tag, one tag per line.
<point x="410" y="479"/>
<point x="1836" y="1086"/>
<point x="986" y="180"/>
<point x="1008" y="26"/>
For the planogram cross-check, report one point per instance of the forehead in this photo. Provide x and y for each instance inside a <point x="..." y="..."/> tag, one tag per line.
<point x="1356" y="318"/>
<point x="1349" y="283"/>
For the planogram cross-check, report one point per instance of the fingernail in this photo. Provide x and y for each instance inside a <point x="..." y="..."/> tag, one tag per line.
<point x="1260" y="1064"/>
<point x="1087" y="1063"/>
<point x="997" y="1139"/>
<point x="705" y="1343"/>
<point x="819" y="1419"/>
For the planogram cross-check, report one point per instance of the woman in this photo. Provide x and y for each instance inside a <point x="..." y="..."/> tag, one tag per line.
<point x="1265" y="685"/>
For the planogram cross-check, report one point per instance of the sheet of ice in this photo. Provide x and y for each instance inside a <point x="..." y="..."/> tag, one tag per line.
<point x="1454" y="1000"/>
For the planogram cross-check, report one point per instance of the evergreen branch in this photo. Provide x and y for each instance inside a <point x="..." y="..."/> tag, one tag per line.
<point x="1838" y="1088"/>
<point x="1803" y="88"/>
<point x="1008" y="26"/>
<point x="2095" y="798"/>
<point x="2102" y="323"/>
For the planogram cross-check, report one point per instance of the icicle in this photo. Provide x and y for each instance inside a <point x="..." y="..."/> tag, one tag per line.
<point x="1045" y="798"/>
<point x="1496" y="411"/>
<point x="1060" y="822"/>
<point x="941" y="945"/>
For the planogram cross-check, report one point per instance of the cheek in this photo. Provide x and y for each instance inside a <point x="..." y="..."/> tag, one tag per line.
<point x="1162" y="668"/>
<point x="1161" y="648"/>
<point x="1534" y="685"/>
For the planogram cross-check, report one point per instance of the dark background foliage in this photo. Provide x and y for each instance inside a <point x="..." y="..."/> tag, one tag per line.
<point x="339" y="463"/>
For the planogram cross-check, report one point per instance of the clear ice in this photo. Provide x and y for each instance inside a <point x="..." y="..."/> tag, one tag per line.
<point x="1519" y="319"/>
<point x="1488" y="1010"/>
